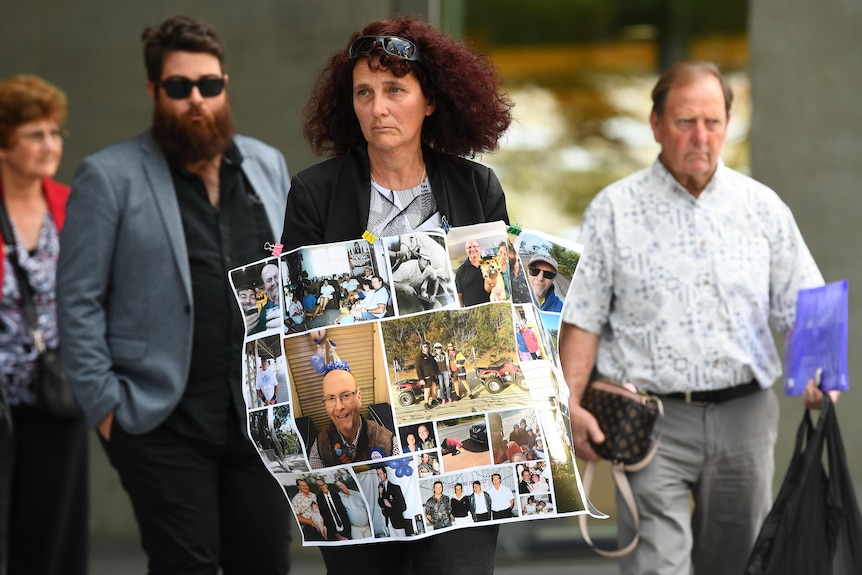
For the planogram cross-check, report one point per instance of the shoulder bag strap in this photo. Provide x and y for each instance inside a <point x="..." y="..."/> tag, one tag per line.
<point x="11" y="250"/>
<point x="618" y="471"/>
<point x="622" y="482"/>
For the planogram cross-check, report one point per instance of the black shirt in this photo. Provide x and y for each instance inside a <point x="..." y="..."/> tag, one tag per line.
<point x="470" y="283"/>
<point x="460" y="507"/>
<point x="217" y="240"/>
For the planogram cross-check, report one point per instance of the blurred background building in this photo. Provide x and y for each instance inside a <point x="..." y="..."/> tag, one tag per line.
<point x="580" y="72"/>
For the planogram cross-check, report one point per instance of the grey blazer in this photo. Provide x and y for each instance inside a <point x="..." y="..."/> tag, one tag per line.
<point x="124" y="294"/>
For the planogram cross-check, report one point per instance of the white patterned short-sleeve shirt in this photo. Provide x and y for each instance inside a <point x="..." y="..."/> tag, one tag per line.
<point x="683" y="290"/>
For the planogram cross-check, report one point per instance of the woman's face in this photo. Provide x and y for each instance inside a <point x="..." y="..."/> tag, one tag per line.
<point x="503" y="256"/>
<point x="390" y="109"/>
<point x="35" y="151"/>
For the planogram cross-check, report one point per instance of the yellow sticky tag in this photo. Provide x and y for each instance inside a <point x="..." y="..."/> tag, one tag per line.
<point x="369" y="237"/>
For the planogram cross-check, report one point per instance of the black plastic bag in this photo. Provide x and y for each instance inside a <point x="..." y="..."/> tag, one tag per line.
<point x="814" y="526"/>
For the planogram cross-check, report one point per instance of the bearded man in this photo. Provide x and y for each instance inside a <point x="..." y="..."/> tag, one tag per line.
<point x="151" y="333"/>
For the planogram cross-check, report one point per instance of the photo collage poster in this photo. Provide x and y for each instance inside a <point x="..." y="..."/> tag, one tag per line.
<point x="412" y="384"/>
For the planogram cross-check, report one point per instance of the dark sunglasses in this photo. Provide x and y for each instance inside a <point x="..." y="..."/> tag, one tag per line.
<point x="181" y="88"/>
<point x="548" y="275"/>
<point x="394" y="45"/>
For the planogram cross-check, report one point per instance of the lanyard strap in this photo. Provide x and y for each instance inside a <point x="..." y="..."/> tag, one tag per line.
<point x="11" y="251"/>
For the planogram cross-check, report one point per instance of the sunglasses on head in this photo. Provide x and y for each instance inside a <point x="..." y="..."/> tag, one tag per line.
<point x="547" y="275"/>
<point x="394" y="45"/>
<point x="181" y="88"/>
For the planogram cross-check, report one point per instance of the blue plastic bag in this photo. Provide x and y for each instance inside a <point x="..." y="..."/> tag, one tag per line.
<point x="819" y="340"/>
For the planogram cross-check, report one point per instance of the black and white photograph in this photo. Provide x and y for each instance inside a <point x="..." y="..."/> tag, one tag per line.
<point x="421" y="275"/>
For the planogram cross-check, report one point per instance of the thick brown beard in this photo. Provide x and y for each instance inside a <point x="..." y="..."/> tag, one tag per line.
<point x="194" y="141"/>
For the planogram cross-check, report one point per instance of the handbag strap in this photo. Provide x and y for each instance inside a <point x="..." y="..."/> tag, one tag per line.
<point x="619" y="474"/>
<point x="618" y="471"/>
<point x="11" y="250"/>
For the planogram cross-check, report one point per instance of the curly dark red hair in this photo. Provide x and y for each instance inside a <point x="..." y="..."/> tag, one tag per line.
<point x="471" y="110"/>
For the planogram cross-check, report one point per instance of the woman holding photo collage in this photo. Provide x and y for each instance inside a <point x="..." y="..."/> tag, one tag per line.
<point x="399" y="108"/>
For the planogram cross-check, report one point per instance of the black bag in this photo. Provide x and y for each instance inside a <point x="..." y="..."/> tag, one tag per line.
<point x="6" y="424"/>
<point x="627" y="418"/>
<point x="53" y="393"/>
<point x="814" y="525"/>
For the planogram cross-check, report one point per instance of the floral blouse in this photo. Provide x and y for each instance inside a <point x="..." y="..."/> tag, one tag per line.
<point x="18" y="353"/>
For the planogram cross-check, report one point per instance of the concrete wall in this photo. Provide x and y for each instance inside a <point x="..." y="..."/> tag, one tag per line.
<point x="93" y="51"/>
<point x="806" y="144"/>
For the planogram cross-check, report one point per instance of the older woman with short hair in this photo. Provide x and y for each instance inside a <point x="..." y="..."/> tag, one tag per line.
<point x="43" y="457"/>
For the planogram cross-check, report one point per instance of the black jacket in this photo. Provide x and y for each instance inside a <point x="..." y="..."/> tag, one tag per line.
<point x="329" y="201"/>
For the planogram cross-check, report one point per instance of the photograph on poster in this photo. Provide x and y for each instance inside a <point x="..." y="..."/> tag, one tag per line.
<point x="264" y="373"/>
<point x="476" y="253"/>
<point x="536" y="504"/>
<point x="417" y="437"/>
<point x="274" y="434"/>
<point x="427" y="464"/>
<point x="549" y="263"/>
<point x="464" y="442"/>
<point x="420" y="272"/>
<point x="349" y="411"/>
<point x="334" y="287"/>
<point x="521" y="428"/>
<point x="329" y="506"/>
<point x="484" y="337"/>
<point x="257" y="287"/>
<point x="521" y="292"/>
<point x="394" y="490"/>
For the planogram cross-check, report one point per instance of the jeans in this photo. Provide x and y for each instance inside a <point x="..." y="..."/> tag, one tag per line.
<point x="444" y="387"/>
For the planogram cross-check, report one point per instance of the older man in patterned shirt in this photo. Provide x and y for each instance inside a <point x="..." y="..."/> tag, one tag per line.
<point x="687" y="266"/>
<point x="438" y="509"/>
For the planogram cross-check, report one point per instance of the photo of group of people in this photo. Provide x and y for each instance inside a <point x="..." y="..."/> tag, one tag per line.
<point x="398" y="387"/>
<point x="393" y="500"/>
<point x="475" y="370"/>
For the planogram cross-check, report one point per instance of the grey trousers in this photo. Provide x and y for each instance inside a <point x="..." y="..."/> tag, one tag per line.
<point x="706" y="493"/>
